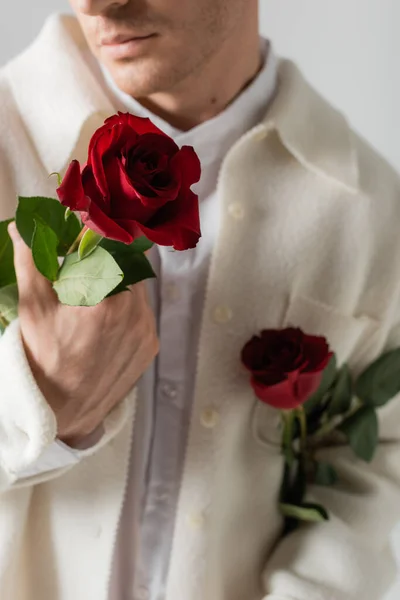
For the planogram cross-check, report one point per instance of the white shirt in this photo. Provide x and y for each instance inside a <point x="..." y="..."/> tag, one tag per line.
<point x="166" y="390"/>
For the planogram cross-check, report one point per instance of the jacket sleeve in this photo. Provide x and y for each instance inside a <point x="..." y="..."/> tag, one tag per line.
<point x="349" y="556"/>
<point x="28" y="426"/>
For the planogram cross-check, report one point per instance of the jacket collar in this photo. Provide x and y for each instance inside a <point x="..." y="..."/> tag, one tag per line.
<point x="57" y="94"/>
<point x="313" y="131"/>
<point x="69" y="104"/>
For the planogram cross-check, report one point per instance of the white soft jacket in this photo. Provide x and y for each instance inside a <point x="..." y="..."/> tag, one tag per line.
<point x="310" y="237"/>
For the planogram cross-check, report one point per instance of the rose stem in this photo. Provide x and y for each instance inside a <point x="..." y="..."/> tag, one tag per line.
<point x="301" y="415"/>
<point x="332" y="424"/>
<point x="288" y="419"/>
<point x="77" y="241"/>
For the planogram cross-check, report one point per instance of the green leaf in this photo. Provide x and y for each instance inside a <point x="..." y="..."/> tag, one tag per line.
<point x="342" y="393"/>
<point x="380" y="382"/>
<point x="361" y="430"/>
<point x="328" y="378"/>
<point x="7" y="272"/>
<point x="135" y="268"/>
<point x="44" y="250"/>
<point x="9" y="302"/>
<point x="87" y="282"/>
<point x="47" y="211"/>
<point x="67" y="213"/>
<point x="88" y="243"/>
<point x="140" y="245"/>
<point x="130" y="258"/>
<point x="305" y="512"/>
<point x="325" y="474"/>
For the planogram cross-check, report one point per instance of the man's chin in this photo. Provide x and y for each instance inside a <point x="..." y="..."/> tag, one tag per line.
<point x="139" y="80"/>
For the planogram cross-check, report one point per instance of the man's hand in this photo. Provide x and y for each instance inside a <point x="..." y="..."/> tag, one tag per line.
<point x="85" y="359"/>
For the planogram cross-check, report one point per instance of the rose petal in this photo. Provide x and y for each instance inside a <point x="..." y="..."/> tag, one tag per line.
<point x="181" y="230"/>
<point x="281" y="396"/>
<point x="71" y="192"/>
<point x="139" y="124"/>
<point x="162" y="149"/>
<point x="91" y="189"/>
<point x="181" y="218"/>
<point x="253" y="354"/>
<point x="125" y="203"/>
<point x="269" y="377"/>
<point x="99" y="222"/>
<point x="188" y="164"/>
<point x="316" y="349"/>
<point x="107" y="143"/>
<point x="307" y="384"/>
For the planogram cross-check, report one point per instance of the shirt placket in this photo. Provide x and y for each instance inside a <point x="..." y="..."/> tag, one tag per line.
<point x="167" y="448"/>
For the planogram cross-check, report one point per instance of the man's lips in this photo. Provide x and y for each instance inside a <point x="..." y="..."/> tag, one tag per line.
<point x="126" y="47"/>
<point x="123" y="39"/>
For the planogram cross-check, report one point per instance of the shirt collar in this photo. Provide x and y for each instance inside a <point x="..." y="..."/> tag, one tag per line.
<point x="62" y="102"/>
<point x="213" y="138"/>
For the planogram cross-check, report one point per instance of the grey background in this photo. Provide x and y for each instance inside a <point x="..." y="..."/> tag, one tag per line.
<point x="349" y="49"/>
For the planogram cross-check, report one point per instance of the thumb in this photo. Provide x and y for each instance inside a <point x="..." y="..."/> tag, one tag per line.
<point x="28" y="277"/>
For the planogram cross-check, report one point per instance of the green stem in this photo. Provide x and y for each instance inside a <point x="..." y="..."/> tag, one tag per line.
<point x="287" y="438"/>
<point x="76" y="243"/>
<point x="333" y="423"/>
<point x="301" y="415"/>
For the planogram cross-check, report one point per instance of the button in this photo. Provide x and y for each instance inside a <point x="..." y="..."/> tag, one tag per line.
<point x="171" y="292"/>
<point x="142" y="593"/>
<point x="261" y="134"/>
<point x="236" y="211"/>
<point x="222" y="314"/>
<point x="169" y="390"/>
<point x="196" y="520"/>
<point x="98" y="531"/>
<point x="209" y="417"/>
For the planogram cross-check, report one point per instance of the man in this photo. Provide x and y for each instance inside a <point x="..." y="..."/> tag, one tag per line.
<point x="129" y="477"/>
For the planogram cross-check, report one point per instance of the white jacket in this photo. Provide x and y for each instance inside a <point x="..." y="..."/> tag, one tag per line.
<point x="309" y="237"/>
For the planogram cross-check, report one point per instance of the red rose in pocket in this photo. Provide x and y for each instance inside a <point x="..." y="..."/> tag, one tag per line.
<point x="136" y="182"/>
<point x="286" y="366"/>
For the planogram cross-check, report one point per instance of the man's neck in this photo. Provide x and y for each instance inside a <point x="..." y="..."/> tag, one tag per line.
<point x="208" y="91"/>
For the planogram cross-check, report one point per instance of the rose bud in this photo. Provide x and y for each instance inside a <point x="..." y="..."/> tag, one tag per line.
<point x="136" y="182"/>
<point x="286" y="366"/>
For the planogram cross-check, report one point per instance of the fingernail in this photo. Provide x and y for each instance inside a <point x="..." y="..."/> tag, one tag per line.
<point x="13" y="232"/>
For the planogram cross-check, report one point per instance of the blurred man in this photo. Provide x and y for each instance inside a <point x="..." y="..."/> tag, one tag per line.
<point x="135" y="461"/>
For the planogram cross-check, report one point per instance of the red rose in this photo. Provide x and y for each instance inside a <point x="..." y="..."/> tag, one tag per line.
<point x="136" y="182"/>
<point x="286" y="366"/>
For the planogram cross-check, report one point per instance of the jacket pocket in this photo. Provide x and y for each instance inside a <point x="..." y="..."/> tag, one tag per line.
<point x="351" y="338"/>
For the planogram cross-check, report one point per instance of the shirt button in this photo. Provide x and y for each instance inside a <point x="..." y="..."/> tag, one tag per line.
<point x="222" y="314"/>
<point x="209" y="417"/>
<point x="142" y="593"/>
<point x="98" y="531"/>
<point x="171" y="292"/>
<point x="261" y="134"/>
<point x="236" y="211"/>
<point x="169" y="390"/>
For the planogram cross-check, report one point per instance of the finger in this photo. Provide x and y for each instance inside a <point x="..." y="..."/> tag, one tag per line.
<point x="28" y="277"/>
